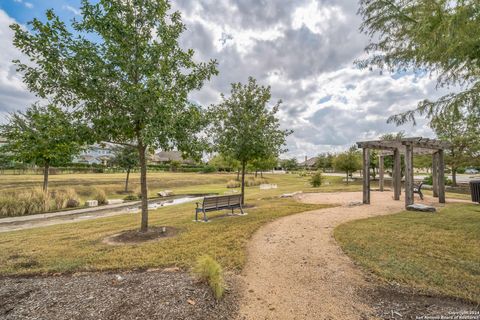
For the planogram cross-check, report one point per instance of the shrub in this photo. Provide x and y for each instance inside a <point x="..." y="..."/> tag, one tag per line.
<point x="130" y="197"/>
<point x="233" y="184"/>
<point x="316" y="180"/>
<point x="100" y="196"/>
<point x="429" y="180"/>
<point x="209" y="168"/>
<point x="210" y="271"/>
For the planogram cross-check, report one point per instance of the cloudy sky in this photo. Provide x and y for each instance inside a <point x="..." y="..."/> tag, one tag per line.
<point x="303" y="49"/>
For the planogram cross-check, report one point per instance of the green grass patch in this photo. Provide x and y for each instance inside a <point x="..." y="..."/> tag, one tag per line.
<point x="210" y="271"/>
<point x="437" y="252"/>
<point x="79" y="247"/>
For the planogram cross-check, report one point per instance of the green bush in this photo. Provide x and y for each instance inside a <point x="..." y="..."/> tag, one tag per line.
<point x="429" y="180"/>
<point x="130" y="197"/>
<point x="209" y="169"/>
<point x="100" y="196"/>
<point x="210" y="271"/>
<point x="316" y="180"/>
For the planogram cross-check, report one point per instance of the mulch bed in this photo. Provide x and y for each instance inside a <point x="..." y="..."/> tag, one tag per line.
<point x="127" y="295"/>
<point x="135" y="236"/>
<point x="393" y="301"/>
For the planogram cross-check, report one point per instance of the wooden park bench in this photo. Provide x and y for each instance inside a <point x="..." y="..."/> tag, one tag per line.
<point x="214" y="203"/>
<point x="417" y="188"/>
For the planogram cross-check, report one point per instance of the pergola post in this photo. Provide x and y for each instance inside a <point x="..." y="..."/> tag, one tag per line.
<point x="381" y="173"/>
<point x="408" y="174"/>
<point x="397" y="174"/>
<point x="366" y="176"/>
<point x="435" y="174"/>
<point x="441" y="177"/>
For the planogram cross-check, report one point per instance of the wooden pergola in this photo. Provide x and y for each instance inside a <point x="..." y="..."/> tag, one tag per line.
<point x="407" y="147"/>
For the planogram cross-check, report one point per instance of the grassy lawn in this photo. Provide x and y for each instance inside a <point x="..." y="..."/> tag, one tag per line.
<point x="78" y="246"/>
<point x="113" y="183"/>
<point x="434" y="252"/>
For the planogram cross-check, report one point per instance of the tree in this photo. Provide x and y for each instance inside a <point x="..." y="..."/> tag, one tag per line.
<point x="461" y="129"/>
<point x="125" y="72"/>
<point x="224" y="163"/>
<point x="388" y="160"/>
<point x="324" y="161"/>
<point x="126" y="157"/>
<point x="347" y="161"/>
<point x="440" y="37"/>
<point x="245" y="129"/>
<point x="289" y="164"/>
<point x="263" y="164"/>
<point x="44" y="135"/>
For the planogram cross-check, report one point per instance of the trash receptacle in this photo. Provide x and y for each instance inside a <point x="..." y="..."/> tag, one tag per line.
<point x="475" y="190"/>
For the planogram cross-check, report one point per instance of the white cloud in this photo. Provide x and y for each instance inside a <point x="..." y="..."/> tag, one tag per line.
<point x="73" y="10"/>
<point x="13" y="93"/>
<point x="303" y="49"/>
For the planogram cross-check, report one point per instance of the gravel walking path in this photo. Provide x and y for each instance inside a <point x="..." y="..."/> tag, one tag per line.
<point x="296" y="270"/>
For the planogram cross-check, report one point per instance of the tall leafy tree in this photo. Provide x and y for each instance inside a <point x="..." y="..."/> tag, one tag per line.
<point x="44" y="135"/>
<point x="436" y="36"/>
<point x="289" y="164"/>
<point x="324" y="161"/>
<point x="124" y="70"/>
<point x="461" y="129"/>
<point x="126" y="157"/>
<point x="263" y="164"/>
<point x="246" y="129"/>
<point x="348" y="161"/>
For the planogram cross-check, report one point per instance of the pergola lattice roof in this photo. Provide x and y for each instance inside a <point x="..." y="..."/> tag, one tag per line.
<point x="420" y="145"/>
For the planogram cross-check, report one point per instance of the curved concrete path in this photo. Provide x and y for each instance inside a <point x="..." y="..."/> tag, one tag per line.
<point x="296" y="270"/>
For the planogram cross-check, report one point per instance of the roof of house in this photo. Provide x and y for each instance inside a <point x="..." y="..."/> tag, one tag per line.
<point x="309" y="163"/>
<point x="164" y="156"/>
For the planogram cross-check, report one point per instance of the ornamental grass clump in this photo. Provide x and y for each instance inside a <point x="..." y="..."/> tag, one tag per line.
<point x="23" y="203"/>
<point x="100" y="196"/>
<point x="233" y="184"/>
<point x="210" y="271"/>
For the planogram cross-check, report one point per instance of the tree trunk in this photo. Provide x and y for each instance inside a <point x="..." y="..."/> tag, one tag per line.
<point x="143" y="186"/>
<point x="256" y="173"/>
<point x="347" y="177"/>
<point x="126" y="180"/>
<point x="261" y="174"/>
<point x="243" y="182"/>
<point x="454" y="176"/>
<point x="45" y="177"/>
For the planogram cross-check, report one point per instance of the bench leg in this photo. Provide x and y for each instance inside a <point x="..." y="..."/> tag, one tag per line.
<point x="205" y="219"/>
<point x="241" y="210"/>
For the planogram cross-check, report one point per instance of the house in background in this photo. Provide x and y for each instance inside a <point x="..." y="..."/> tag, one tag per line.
<point x="101" y="153"/>
<point x="308" y="163"/>
<point x="169" y="156"/>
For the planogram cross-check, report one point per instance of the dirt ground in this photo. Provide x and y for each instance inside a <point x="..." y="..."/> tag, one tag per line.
<point x="128" y="295"/>
<point x="296" y="270"/>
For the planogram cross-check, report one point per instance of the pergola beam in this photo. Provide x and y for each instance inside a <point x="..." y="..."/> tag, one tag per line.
<point x="366" y="176"/>
<point x="381" y="173"/>
<point x="407" y="147"/>
<point x="397" y="175"/>
<point x="441" y="177"/>
<point x="409" y="175"/>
